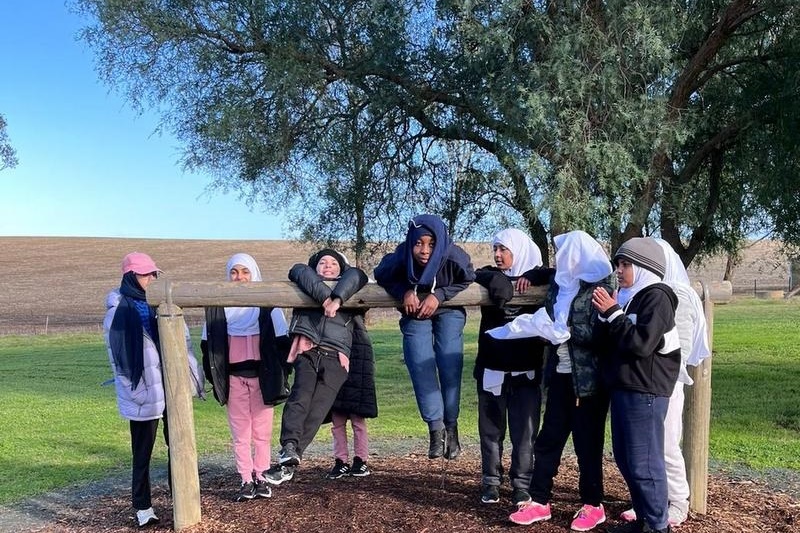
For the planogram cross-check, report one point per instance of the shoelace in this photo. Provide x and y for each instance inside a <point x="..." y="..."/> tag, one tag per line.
<point x="582" y="513"/>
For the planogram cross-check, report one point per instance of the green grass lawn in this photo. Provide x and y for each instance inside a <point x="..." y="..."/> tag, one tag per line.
<point x="755" y="379"/>
<point x="60" y="426"/>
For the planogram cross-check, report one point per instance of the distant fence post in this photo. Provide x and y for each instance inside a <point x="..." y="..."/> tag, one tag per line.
<point x="180" y="417"/>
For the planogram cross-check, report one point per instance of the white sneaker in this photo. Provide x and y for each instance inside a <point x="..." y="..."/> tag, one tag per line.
<point x="146" y="516"/>
<point x="677" y="514"/>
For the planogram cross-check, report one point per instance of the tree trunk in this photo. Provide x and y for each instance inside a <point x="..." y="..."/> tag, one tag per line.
<point x="730" y="266"/>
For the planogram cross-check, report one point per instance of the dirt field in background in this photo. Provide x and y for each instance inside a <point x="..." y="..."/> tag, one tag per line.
<point x="60" y="283"/>
<point x="63" y="282"/>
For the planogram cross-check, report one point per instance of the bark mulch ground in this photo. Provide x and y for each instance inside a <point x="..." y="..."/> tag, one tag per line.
<point x="405" y="493"/>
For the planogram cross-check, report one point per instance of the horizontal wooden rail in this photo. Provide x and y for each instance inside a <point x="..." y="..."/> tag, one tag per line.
<point x="287" y="294"/>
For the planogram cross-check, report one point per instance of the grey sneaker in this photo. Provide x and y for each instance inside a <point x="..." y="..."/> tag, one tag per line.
<point x="288" y="455"/>
<point x="490" y="494"/>
<point x="278" y="474"/>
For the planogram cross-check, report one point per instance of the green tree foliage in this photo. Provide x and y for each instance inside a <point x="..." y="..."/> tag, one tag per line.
<point x="618" y="117"/>
<point x="8" y="156"/>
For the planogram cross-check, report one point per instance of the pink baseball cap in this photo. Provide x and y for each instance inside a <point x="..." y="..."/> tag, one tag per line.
<point x="139" y="263"/>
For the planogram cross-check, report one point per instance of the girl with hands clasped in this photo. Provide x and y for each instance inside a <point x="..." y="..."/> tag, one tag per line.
<point x="433" y="336"/>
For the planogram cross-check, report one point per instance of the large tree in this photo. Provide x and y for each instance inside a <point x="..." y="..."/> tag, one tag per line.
<point x="8" y="156"/>
<point x="618" y="117"/>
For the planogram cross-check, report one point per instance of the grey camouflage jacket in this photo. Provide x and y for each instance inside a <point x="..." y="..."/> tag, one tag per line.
<point x="583" y="351"/>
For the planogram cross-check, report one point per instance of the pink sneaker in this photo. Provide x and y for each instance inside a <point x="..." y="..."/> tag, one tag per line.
<point x="628" y="516"/>
<point x="530" y="512"/>
<point x="588" y="517"/>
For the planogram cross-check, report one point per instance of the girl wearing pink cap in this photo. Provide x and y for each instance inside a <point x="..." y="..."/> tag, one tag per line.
<point x="131" y="335"/>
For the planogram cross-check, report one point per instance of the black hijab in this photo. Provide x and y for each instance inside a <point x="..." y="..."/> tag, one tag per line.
<point x="132" y="318"/>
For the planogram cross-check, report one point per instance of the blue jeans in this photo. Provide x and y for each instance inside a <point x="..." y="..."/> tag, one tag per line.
<point x="637" y="434"/>
<point x="433" y="350"/>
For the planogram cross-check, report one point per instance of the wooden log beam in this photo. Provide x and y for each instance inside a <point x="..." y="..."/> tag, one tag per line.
<point x="287" y="294"/>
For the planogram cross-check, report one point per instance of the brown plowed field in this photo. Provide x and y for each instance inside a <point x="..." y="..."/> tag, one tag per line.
<point x="60" y="283"/>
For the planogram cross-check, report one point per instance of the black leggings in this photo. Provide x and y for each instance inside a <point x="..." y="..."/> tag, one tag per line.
<point x="317" y="380"/>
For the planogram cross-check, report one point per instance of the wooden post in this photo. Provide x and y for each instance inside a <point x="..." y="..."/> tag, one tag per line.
<point x="697" y="420"/>
<point x="180" y="417"/>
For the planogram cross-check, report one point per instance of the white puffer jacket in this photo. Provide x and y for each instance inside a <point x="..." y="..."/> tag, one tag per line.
<point x="146" y="401"/>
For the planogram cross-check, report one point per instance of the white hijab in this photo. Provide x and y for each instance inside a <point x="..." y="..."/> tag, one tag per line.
<point x="676" y="276"/>
<point x="641" y="278"/>
<point x="526" y="254"/>
<point x="578" y="258"/>
<point x="243" y="321"/>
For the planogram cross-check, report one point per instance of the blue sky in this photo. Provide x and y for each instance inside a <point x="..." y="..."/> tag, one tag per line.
<point x="89" y="166"/>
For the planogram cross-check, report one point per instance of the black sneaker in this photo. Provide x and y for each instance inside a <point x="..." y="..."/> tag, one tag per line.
<point x="278" y="474"/>
<point x="359" y="468"/>
<point x="452" y="448"/>
<point x="288" y="455"/>
<point x="519" y="496"/>
<point x="246" y="492"/>
<point x="436" y="447"/>
<point x="637" y="526"/>
<point x="340" y="469"/>
<point x="490" y="494"/>
<point x="262" y="489"/>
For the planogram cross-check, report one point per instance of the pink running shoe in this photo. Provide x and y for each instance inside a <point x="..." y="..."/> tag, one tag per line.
<point x="628" y="516"/>
<point x="530" y="512"/>
<point x="588" y="517"/>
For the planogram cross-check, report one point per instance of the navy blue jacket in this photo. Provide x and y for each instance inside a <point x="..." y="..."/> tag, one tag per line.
<point x="455" y="274"/>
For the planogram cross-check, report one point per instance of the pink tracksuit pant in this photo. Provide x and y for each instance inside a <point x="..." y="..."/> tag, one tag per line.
<point x="339" y="432"/>
<point x="251" y="427"/>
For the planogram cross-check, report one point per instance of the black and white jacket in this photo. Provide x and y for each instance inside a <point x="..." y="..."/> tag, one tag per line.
<point x="643" y="352"/>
